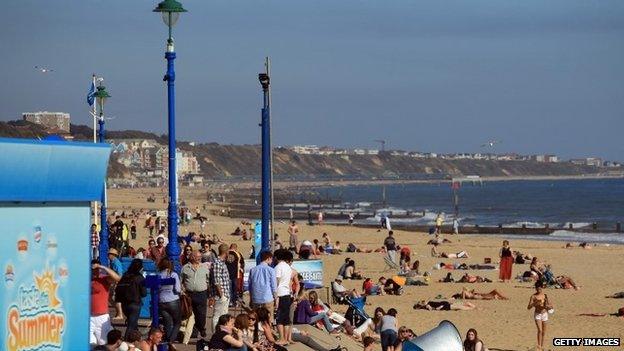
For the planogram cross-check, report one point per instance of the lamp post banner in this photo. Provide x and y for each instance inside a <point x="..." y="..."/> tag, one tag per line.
<point x="46" y="284"/>
<point x="311" y="270"/>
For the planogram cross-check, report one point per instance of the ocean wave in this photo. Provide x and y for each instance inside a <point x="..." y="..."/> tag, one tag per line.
<point x="579" y="237"/>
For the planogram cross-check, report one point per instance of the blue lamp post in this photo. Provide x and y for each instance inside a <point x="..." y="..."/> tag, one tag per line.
<point x="101" y="95"/>
<point x="170" y="10"/>
<point x="266" y="163"/>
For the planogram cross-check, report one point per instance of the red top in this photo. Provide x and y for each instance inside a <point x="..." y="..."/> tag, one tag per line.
<point x="406" y="251"/>
<point x="368" y="286"/>
<point x="99" y="295"/>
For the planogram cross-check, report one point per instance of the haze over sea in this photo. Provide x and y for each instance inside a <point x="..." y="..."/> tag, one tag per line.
<point x="510" y="203"/>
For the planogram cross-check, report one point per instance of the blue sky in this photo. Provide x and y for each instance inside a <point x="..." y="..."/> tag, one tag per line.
<point x="442" y="76"/>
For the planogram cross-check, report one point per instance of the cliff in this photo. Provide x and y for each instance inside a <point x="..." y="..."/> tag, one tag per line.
<point x="243" y="161"/>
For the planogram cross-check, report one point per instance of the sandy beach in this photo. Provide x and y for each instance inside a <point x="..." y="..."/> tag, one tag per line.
<point x="502" y="325"/>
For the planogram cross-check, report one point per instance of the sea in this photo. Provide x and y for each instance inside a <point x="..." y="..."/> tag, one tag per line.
<point x="513" y="203"/>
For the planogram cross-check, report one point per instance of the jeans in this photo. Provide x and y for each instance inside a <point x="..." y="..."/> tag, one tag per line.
<point x="131" y="311"/>
<point x="326" y="322"/>
<point x="221" y="307"/>
<point x="199" y="302"/>
<point x="233" y="290"/>
<point x="170" y="313"/>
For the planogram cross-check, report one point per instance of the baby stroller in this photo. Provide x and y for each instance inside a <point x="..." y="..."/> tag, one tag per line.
<point x="355" y="313"/>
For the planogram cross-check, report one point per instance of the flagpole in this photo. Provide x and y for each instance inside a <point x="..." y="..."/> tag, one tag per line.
<point x="95" y="206"/>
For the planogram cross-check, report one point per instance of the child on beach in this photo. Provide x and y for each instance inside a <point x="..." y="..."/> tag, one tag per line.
<point x="369" y="343"/>
<point x="542" y="307"/>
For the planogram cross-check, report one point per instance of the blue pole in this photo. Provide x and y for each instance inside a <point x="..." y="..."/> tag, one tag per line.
<point x="173" y="248"/>
<point x="103" y="249"/>
<point x="266" y="171"/>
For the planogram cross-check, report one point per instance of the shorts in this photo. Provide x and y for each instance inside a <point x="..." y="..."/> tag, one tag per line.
<point x="99" y="326"/>
<point x="283" y="310"/>
<point x="541" y="316"/>
<point x="388" y="338"/>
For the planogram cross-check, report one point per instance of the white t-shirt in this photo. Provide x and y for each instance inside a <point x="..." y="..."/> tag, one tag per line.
<point x="283" y="273"/>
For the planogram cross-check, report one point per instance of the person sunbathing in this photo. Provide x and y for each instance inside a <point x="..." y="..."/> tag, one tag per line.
<point x="448" y="279"/>
<point x="566" y="282"/>
<point x="618" y="295"/>
<point x="444" y="306"/>
<point x="352" y="248"/>
<point x="467" y="278"/>
<point x="437" y="240"/>
<point x="472" y="295"/>
<point x="390" y="287"/>
<point x="435" y="253"/>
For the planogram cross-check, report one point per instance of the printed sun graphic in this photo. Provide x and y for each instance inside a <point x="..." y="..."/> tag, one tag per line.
<point x="46" y="283"/>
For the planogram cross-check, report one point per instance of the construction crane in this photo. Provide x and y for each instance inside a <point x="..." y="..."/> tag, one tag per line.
<point x="382" y="143"/>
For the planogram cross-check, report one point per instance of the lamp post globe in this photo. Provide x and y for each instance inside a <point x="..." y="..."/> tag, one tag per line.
<point x="170" y="11"/>
<point x="101" y="95"/>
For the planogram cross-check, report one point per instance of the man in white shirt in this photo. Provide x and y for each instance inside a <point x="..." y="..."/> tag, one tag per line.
<point x="283" y="274"/>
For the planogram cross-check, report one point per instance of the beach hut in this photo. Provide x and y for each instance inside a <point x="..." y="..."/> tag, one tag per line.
<point x="45" y="191"/>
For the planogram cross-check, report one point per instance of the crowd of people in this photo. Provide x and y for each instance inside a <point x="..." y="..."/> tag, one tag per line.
<point x="212" y="273"/>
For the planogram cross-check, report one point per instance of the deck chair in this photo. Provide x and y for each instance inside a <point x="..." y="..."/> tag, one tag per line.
<point x="390" y="265"/>
<point x="337" y="298"/>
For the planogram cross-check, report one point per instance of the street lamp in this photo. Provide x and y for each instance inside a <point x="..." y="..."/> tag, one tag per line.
<point x="170" y="10"/>
<point x="101" y="95"/>
<point x="266" y="165"/>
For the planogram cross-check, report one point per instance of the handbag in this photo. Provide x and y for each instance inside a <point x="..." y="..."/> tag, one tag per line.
<point x="186" y="308"/>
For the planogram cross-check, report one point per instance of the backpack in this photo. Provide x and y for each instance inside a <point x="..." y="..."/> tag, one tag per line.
<point x="351" y="248"/>
<point x="128" y="290"/>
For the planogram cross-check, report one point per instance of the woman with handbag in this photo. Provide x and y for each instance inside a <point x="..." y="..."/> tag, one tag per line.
<point x="169" y="301"/>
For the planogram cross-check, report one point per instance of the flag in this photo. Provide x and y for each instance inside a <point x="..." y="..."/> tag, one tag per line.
<point x="91" y="94"/>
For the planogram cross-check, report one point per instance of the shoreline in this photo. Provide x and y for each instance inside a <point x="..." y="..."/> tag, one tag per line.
<point x="322" y="183"/>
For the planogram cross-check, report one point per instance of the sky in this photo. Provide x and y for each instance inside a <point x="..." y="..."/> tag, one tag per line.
<point x="438" y="76"/>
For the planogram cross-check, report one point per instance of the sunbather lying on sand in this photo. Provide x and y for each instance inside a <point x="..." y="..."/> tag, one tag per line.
<point x="472" y="295"/>
<point x="444" y="306"/>
<point x="435" y="253"/>
<point x="566" y="282"/>
<point x="467" y="278"/>
<point x="618" y="295"/>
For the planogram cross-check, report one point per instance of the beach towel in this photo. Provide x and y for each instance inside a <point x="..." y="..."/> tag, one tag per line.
<point x="399" y="280"/>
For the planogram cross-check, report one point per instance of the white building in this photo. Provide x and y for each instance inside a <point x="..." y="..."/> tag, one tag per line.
<point x="306" y="149"/>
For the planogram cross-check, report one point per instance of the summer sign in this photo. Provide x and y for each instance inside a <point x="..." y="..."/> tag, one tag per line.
<point x="43" y="301"/>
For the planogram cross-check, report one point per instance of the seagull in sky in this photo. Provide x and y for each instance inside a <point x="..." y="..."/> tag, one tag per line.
<point x="491" y="143"/>
<point x="43" y="69"/>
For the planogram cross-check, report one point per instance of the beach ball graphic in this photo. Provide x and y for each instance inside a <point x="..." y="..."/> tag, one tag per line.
<point x="51" y="246"/>
<point x="63" y="273"/>
<point x="22" y="248"/>
<point x="37" y="234"/>
<point x="9" y="275"/>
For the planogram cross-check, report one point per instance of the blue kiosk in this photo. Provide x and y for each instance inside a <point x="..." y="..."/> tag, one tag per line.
<point x="45" y="191"/>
